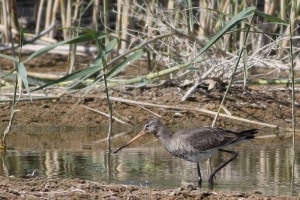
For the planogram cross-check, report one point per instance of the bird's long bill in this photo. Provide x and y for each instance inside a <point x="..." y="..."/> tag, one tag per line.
<point x="131" y="141"/>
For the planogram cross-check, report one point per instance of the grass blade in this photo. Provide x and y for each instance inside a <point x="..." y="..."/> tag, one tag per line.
<point x="248" y="12"/>
<point x="80" y="38"/>
<point x="271" y="18"/>
<point x="121" y="66"/>
<point x="22" y="73"/>
<point x="76" y="75"/>
<point x="9" y="57"/>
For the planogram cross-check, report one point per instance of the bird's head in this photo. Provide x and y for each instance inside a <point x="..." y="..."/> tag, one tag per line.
<point x="152" y="126"/>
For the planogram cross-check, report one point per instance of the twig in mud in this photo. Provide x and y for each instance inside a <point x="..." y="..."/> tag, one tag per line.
<point x="8" y="128"/>
<point x="191" y="91"/>
<point x="157" y="115"/>
<point x="226" y="110"/>
<point x="38" y="97"/>
<point x="208" y="112"/>
<point x="194" y="87"/>
<point x="106" y="115"/>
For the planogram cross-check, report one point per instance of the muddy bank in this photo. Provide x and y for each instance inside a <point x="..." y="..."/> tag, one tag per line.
<point x="13" y="188"/>
<point x="268" y="105"/>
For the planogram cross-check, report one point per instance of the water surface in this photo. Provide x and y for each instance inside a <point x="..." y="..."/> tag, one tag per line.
<point x="265" y="165"/>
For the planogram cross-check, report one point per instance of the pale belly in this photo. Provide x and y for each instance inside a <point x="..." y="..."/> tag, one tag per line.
<point x="204" y="155"/>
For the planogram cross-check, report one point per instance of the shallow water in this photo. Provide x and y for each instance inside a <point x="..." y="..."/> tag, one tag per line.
<point x="264" y="165"/>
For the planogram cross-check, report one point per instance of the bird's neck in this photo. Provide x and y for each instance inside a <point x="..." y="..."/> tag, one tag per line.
<point x="164" y="135"/>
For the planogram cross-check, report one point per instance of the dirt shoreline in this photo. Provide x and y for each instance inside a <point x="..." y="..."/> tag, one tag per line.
<point x="37" y="188"/>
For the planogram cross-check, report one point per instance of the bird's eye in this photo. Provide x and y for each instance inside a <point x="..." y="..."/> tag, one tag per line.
<point x="147" y="126"/>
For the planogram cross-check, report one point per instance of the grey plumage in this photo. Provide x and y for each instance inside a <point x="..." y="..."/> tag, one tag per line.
<point x="189" y="144"/>
<point x="195" y="144"/>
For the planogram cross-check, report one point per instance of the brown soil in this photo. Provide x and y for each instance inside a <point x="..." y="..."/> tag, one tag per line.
<point x="263" y="104"/>
<point x="13" y="188"/>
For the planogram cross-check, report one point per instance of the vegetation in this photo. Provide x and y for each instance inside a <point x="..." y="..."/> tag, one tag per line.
<point x="223" y="41"/>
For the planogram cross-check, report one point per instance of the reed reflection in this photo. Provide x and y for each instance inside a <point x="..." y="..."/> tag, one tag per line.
<point x="264" y="165"/>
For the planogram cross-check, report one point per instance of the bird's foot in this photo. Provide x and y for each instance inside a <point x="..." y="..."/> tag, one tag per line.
<point x="199" y="182"/>
<point x="211" y="178"/>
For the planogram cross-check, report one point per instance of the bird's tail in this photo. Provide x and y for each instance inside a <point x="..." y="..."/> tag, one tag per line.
<point x="249" y="134"/>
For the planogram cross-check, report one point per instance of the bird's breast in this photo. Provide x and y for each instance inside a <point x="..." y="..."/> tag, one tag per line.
<point x="187" y="152"/>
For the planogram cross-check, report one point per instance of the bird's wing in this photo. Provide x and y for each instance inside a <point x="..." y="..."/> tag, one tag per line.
<point x="206" y="138"/>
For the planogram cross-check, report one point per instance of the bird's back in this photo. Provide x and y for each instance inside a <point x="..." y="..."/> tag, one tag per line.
<point x="197" y="144"/>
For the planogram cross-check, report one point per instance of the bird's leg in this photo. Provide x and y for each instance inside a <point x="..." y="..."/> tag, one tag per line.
<point x="212" y="175"/>
<point x="199" y="175"/>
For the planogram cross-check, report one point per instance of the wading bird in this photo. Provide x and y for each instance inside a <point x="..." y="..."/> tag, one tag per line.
<point x="195" y="144"/>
